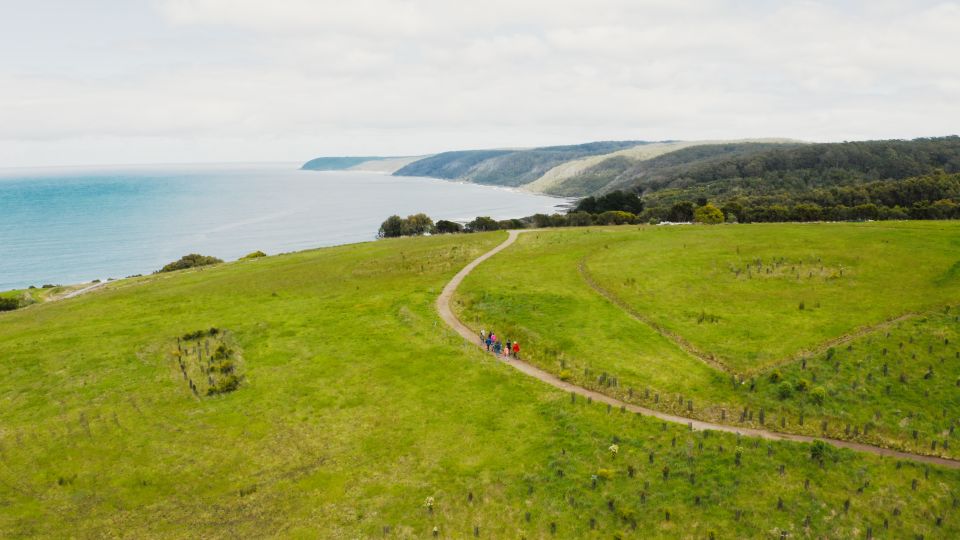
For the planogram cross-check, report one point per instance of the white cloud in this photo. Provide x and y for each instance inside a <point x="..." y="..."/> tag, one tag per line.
<point x="284" y="80"/>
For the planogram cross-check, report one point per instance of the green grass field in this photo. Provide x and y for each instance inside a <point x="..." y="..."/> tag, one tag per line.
<point x="736" y="292"/>
<point x="536" y="292"/>
<point x="357" y="404"/>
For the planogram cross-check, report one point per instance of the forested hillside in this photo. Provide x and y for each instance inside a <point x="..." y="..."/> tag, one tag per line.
<point x="855" y="180"/>
<point x="749" y="180"/>
<point x="622" y="171"/>
<point x="799" y="167"/>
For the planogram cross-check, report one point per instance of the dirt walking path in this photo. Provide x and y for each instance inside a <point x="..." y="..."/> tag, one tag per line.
<point x="78" y="292"/>
<point x="446" y="313"/>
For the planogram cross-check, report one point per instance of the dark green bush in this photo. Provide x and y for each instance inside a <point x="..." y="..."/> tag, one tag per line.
<point x="226" y="384"/>
<point x="9" y="304"/>
<point x="446" y="227"/>
<point x="225" y="367"/>
<point x="818" y="450"/>
<point x="392" y="227"/>
<point x="483" y="223"/>
<point x="615" y="217"/>
<point x="785" y="390"/>
<point x="190" y="261"/>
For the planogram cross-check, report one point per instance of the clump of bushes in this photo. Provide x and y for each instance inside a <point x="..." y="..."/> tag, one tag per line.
<point x="447" y="227"/>
<point x="255" y="255"/>
<point x="708" y="214"/>
<point x="9" y="304"/>
<point x="197" y="334"/>
<point x="482" y="223"/>
<point x="225" y="384"/>
<point x="413" y="225"/>
<point x="192" y="260"/>
<point x="614" y="201"/>
<point x="224" y="366"/>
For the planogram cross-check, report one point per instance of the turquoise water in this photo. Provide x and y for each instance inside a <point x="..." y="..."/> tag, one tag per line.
<point x="69" y="226"/>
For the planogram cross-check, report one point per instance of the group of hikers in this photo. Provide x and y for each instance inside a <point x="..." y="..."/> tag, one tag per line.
<point x="497" y="346"/>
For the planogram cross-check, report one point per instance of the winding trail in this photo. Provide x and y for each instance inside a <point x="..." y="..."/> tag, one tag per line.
<point x="84" y="290"/>
<point x="446" y="313"/>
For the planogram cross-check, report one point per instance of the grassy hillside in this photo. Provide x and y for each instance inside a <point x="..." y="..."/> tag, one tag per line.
<point x="356" y="409"/>
<point x="685" y="321"/>
<point x="506" y="167"/>
<point x="733" y="294"/>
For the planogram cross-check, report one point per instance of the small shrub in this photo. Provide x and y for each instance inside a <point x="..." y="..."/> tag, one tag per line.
<point x="818" y="450"/>
<point x="255" y="255"/>
<point x="785" y="390"/>
<point x="818" y="395"/>
<point x="605" y="474"/>
<point x="565" y="375"/>
<point x="197" y="334"/>
<point x="226" y="384"/>
<point x="225" y="367"/>
<point x="775" y="376"/>
<point x="801" y="385"/>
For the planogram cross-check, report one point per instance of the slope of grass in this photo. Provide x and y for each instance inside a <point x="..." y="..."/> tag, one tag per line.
<point x="357" y="407"/>
<point x="534" y="292"/>
<point x="756" y="295"/>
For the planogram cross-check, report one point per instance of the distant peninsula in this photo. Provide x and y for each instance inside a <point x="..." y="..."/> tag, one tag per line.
<point x="382" y="164"/>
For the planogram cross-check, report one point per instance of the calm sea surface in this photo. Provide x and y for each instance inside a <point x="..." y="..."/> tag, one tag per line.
<point x="73" y="225"/>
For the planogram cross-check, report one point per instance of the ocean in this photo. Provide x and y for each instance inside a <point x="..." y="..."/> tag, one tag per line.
<point x="63" y="226"/>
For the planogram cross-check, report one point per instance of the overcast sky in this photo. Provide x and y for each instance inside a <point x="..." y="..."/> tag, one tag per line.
<point x="141" y="81"/>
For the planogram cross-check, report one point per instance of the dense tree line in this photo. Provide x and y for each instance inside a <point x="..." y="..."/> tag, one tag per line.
<point x="421" y="224"/>
<point x="931" y="196"/>
<point x="615" y="200"/>
<point x="795" y="168"/>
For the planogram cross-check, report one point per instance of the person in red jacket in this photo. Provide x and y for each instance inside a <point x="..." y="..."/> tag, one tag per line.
<point x="516" y="349"/>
